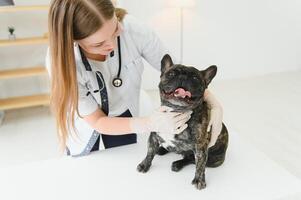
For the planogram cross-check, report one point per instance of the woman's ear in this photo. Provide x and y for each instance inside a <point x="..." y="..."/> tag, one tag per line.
<point x="120" y="13"/>
<point x="209" y="73"/>
<point x="166" y="63"/>
<point x="114" y="2"/>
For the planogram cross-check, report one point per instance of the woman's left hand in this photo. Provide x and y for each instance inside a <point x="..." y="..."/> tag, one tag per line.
<point x="216" y="117"/>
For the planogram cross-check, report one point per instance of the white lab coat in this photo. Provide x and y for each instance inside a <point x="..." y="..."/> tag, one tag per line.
<point x="138" y="42"/>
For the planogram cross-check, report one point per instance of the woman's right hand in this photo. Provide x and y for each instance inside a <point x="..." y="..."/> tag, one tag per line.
<point x="161" y="120"/>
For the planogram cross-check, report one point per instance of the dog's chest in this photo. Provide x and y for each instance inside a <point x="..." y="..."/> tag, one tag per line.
<point x="179" y="141"/>
<point x="168" y="139"/>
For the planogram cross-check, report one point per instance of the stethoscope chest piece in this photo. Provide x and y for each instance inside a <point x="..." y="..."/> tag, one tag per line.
<point x="117" y="82"/>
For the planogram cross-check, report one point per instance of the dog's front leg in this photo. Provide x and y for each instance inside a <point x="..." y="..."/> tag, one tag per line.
<point x="153" y="146"/>
<point x="201" y="156"/>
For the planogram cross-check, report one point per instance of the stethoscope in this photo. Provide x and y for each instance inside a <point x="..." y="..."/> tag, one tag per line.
<point x="117" y="81"/>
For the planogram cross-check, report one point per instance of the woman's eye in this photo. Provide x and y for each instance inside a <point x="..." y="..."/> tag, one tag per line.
<point x="99" y="45"/>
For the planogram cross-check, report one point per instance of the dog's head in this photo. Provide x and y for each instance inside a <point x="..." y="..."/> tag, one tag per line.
<point x="182" y="87"/>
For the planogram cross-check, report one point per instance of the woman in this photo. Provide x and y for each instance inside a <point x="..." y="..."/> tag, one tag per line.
<point x="95" y="63"/>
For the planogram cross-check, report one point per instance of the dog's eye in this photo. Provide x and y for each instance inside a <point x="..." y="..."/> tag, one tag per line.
<point x="171" y="74"/>
<point x="195" y="78"/>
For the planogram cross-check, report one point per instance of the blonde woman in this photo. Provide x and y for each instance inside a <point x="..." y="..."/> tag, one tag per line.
<point x="95" y="64"/>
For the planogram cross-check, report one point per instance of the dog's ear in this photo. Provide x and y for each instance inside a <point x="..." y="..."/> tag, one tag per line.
<point x="166" y="63"/>
<point x="209" y="74"/>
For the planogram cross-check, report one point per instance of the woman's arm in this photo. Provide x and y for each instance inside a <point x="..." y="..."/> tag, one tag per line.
<point x="216" y="116"/>
<point x="148" y="44"/>
<point x="99" y="121"/>
<point x="160" y="121"/>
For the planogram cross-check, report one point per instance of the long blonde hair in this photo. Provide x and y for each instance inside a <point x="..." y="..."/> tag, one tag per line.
<point x="71" y="20"/>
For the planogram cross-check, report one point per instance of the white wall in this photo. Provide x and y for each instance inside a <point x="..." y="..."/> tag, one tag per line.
<point x="243" y="37"/>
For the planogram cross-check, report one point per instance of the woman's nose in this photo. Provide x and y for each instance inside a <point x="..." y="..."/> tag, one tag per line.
<point x="110" y="46"/>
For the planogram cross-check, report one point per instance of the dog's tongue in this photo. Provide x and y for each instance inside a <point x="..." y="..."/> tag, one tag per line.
<point x="180" y="92"/>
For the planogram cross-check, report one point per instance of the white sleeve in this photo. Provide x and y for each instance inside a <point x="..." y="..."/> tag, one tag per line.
<point x="148" y="43"/>
<point x="152" y="49"/>
<point x="86" y="102"/>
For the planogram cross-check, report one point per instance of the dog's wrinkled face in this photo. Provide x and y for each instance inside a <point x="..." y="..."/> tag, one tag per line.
<point x="183" y="87"/>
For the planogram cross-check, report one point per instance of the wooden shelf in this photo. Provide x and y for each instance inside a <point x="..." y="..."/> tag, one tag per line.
<point x="23" y="72"/>
<point x="24" y="101"/>
<point x="24" y="41"/>
<point x="22" y="8"/>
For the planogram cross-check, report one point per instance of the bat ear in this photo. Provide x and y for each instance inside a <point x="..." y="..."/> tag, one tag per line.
<point x="166" y="63"/>
<point x="209" y="74"/>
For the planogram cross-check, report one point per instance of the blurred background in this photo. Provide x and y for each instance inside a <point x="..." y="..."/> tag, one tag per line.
<point x="255" y="44"/>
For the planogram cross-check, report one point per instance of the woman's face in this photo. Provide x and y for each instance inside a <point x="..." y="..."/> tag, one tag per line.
<point x="103" y="41"/>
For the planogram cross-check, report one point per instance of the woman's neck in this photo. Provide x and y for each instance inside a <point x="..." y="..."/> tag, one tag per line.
<point x="96" y="57"/>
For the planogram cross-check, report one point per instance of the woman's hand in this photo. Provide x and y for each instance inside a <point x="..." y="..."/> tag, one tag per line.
<point x="165" y="121"/>
<point x="162" y="120"/>
<point x="216" y="117"/>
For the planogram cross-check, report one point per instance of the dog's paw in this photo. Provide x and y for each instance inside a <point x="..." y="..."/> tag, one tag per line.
<point x="142" y="167"/>
<point x="198" y="183"/>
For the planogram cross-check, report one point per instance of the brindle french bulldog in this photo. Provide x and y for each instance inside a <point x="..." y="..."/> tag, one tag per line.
<point x="182" y="88"/>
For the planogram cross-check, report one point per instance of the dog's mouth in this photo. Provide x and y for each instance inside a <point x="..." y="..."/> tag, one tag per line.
<point x="179" y="94"/>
